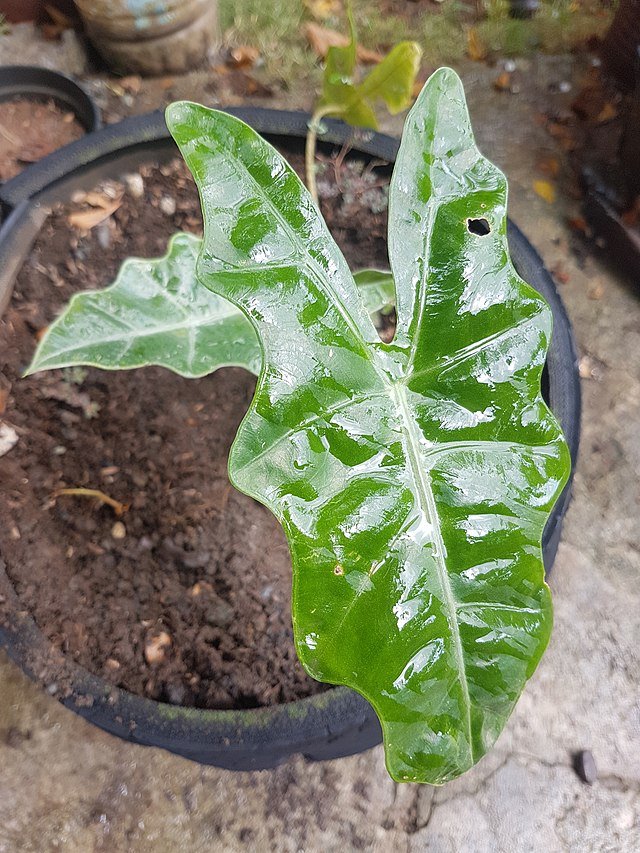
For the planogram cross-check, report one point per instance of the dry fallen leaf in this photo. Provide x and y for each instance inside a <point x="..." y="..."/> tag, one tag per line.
<point x="607" y="113"/>
<point x="323" y="9"/>
<point x="475" y="48"/>
<point x="590" y="368"/>
<point x="546" y="190"/>
<point x="58" y="16"/>
<point x="102" y="208"/>
<point x="502" y="82"/>
<point x="67" y="393"/>
<point x="562" y="134"/>
<point x="322" y="38"/>
<point x="243" y="56"/>
<point x="131" y="84"/>
<point x="61" y="22"/>
<point x="549" y="166"/>
<point x="580" y="224"/>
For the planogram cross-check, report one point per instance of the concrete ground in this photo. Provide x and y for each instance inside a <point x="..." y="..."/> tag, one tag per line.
<point x="65" y="785"/>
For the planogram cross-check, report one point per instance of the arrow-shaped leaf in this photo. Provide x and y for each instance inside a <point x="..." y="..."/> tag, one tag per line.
<point x="156" y="312"/>
<point x="413" y="479"/>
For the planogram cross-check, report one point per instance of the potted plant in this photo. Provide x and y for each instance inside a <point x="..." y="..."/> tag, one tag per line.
<point x="413" y="478"/>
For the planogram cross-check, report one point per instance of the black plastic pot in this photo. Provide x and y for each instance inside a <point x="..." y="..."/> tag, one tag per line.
<point x="333" y="724"/>
<point x="31" y="81"/>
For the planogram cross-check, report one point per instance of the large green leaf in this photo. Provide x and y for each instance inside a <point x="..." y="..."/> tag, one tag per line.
<point x="156" y="312"/>
<point x="413" y="479"/>
<point x="390" y="81"/>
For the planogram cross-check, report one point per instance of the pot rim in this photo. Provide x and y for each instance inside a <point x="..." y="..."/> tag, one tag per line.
<point x="331" y="724"/>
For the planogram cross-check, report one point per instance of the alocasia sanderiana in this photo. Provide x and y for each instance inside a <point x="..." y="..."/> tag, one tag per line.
<point x="413" y="479"/>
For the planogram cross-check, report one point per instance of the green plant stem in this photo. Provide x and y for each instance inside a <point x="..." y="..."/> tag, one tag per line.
<point x="310" y="146"/>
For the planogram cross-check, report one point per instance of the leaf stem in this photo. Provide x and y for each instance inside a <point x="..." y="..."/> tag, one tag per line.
<point x="310" y="146"/>
<point x="118" y="508"/>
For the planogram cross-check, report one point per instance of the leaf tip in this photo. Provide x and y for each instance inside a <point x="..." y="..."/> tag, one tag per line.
<point x="446" y="81"/>
<point x="177" y="115"/>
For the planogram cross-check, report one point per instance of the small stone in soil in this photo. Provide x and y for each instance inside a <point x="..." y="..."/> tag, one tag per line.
<point x="196" y="560"/>
<point x="220" y="614"/>
<point x="103" y="234"/>
<point x="167" y="205"/>
<point x="135" y="185"/>
<point x="175" y="694"/>
<point x="155" y="649"/>
<point x="199" y="587"/>
<point x="118" y="531"/>
<point x="8" y="438"/>
<point x="585" y="766"/>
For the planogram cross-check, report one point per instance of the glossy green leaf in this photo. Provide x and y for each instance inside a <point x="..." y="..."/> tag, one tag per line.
<point x="413" y="479"/>
<point x="391" y="81"/>
<point x="156" y="312"/>
<point x="377" y="290"/>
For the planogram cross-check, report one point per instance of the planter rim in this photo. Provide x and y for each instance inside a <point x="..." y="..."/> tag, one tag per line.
<point x="335" y="723"/>
<point x="37" y="81"/>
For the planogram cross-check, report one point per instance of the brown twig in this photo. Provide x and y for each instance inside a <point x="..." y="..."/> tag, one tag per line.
<point x="118" y="508"/>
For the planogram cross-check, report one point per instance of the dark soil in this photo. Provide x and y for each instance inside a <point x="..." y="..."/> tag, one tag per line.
<point x="29" y="130"/>
<point x="186" y="597"/>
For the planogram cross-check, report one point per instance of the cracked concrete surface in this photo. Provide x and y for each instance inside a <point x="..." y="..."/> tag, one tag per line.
<point x="65" y="785"/>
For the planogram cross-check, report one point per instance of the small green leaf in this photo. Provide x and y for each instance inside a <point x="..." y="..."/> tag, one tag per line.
<point x="413" y="479"/>
<point x="391" y="81"/>
<point x="377" y="290"/>
<point x="156" y="312"/>
<point x="339" y="68"/>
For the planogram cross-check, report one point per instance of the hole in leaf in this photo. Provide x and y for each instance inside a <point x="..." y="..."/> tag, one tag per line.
<point x="480" y="227"/>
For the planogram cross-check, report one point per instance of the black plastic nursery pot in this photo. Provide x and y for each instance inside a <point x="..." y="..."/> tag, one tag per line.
<point x="31" y="81"/>
<point x="41" y="84"/>
<point x="332" y="724"/>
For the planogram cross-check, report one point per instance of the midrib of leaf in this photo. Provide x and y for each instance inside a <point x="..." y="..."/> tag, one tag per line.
<point x="423" y="292"/>
<point x="423" y="489"/>
<point x="209" y="320"/>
